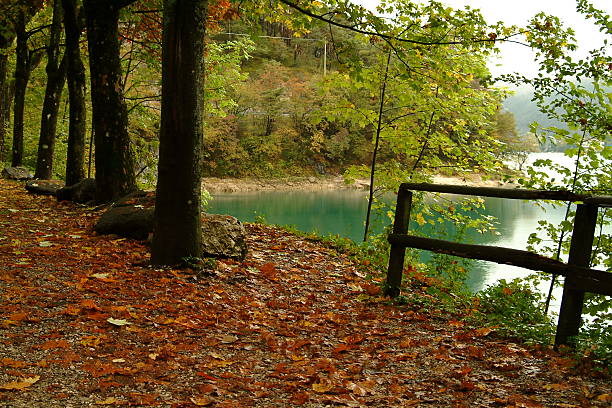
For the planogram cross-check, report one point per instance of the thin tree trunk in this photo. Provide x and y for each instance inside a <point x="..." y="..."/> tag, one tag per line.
<point x="22" y="75"/>
<point x="114" y="159"/>
<point x="383" y="88"/>
<point x="73" y="24"/>
<point x="177" y="208"/>
<point x="3" y="100"/>
<point x="56" y="76"/>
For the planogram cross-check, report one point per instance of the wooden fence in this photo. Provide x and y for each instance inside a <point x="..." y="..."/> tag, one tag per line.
<point x="579" y="278"/>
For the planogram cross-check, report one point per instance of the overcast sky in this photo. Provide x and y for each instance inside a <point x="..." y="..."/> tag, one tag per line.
<point x="517" y="58"/>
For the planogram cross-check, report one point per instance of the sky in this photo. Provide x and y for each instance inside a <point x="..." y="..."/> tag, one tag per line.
<point x="518" y="58"/>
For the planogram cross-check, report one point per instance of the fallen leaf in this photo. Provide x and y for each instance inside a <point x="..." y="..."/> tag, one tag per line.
<point x="20" y="385"/>
<point x="203" y="401"/>
<point x="45" y="244"/>
<point x="229" y="339"/>
<point x="604" y="397"/>
<point x="269" y="271"/>
<point x="299" y="398"/>
<point x="53" y="344"/>
<point x="372" y="290"/>
<point x="322" y="387"/>
<point x="118" y="322"/>
<point x="556" y="387"/>
<point x="354" y="339"/>
<point x="482" y="332"/>
<point x="108" y="401"/>
<point x="8" y="362"/>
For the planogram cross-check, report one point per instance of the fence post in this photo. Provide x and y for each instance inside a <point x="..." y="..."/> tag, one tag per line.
<point x="580" y="255"/>
<point x="398" y="251"/>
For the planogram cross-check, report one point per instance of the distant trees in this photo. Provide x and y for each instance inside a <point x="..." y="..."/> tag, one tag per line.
<point x="514" y="147"/>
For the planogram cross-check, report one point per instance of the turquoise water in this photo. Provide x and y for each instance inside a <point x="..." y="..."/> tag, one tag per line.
<point x="343" y="213"/>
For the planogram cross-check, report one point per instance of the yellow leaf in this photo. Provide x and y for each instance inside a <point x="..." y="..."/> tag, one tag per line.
<point x="322" y="388"/>
<point x="605" y="398"/>
<point x="20" y="385"/>
<point x="420" y="220"/>
<point x="202" y="401"/>
<point x="108" y="401"/>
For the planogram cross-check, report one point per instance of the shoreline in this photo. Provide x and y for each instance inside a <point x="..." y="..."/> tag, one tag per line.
<point x="216" y="185"/>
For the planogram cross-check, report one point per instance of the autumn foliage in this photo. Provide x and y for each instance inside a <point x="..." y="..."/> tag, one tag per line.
<point x="85" y="322"/>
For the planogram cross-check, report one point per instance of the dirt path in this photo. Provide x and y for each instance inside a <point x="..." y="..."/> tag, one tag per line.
<point x="83" y="323"/>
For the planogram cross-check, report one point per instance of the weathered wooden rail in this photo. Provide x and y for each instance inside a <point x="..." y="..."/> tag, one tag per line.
<point x="579" y="278"/>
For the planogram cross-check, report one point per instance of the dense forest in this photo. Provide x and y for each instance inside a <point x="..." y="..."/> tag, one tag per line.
<point x="278" y="101"/>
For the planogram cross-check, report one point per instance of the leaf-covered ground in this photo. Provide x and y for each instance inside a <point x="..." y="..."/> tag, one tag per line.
<point x="84" y="322"/>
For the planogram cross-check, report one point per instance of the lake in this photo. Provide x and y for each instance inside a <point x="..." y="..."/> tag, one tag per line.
<point x="343" y="213"/>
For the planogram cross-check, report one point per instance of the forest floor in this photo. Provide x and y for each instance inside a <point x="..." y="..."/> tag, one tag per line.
<point x="84" y="322"/>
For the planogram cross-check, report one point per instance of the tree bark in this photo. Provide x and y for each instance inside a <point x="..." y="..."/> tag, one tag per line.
<point x="75" y="160"/>
<point x="114" y="159"/>
<point x="56" y="76"/>
<point x="7" y="37"/>
<point x="178" y="230"/>
<point x="3" y="99"/>
<point x="22" y="75"/>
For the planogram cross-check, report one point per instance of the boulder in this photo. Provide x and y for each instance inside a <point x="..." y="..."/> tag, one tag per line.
<point x="44" y="187"/>
<point x="223" y="236"/>
<point x="82" y="192"/>
<point x="126" y="221"/>
<point x="131" y="216"/>
<point x="17" y="173"/>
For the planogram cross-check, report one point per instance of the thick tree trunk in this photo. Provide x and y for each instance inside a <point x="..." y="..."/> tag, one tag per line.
<point x="177" y="209"/>
<point x="22" y="75"/>
<point x="114" y="159"/>
<point x="56" y="76"/>
<point x="75" y="169"/>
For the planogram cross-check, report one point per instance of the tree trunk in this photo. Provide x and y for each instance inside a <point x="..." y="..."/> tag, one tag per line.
<point x="73" y="24"/>
<point x="22" y="75"/>
<point x="3" y="99"/>
<point x="177" y="209"/>
<point x="56" y="75"/>
<point x="114" y="159"/>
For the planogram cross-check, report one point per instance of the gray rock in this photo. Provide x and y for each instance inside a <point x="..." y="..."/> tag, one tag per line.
<point x="44" y="187"/>
<point x="17" y="173"/>
<point x="82" y="192"/>
<point x="223" y="236"/>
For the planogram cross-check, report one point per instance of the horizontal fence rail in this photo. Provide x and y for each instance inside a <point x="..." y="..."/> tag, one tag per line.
<point x="512" y="193"/>
<point x="579" y="278"/>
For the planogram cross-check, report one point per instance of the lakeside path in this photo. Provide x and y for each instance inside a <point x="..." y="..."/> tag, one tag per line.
<point x="85" y="323"/>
